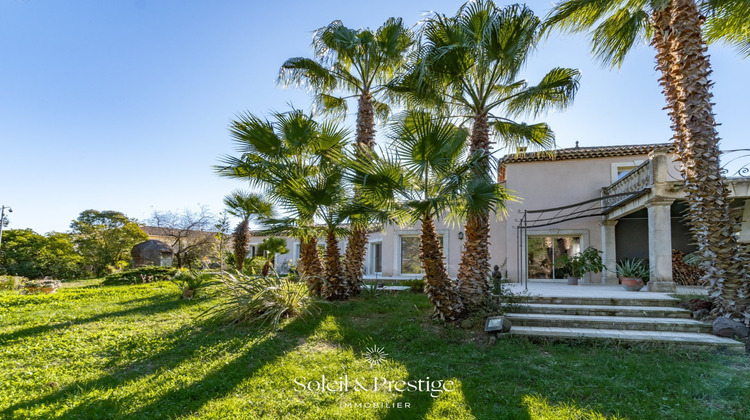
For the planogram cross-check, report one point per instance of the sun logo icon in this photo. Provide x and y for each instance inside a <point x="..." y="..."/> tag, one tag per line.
<point x="375" y="355"/>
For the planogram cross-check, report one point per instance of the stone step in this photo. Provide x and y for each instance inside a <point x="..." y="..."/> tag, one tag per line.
<point x="603" y="301"/>
<point x="682" y="339"/>
<point x="599" y="310"/>
<point x="608" y="322"/>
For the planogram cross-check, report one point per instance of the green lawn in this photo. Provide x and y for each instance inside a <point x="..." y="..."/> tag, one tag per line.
<point x="138" y="352"/>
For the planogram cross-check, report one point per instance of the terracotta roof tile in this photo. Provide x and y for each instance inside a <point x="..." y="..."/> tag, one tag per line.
<point x="585" y="153"/>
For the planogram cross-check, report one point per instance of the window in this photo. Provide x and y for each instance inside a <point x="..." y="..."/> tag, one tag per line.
<point x="620" y="169"/>
<point x="410" y="255"/>
<point x="624" y="170"/>
<point x="376" y="259"/>
<point x="410" y="263"/>
<point x="544" y="254"/>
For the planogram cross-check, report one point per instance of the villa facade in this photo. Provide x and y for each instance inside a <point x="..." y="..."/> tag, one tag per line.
<point x="627" y="201"/>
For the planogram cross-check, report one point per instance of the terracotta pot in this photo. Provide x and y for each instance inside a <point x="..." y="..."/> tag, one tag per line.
<point x="573" y="280"/>
<point x="632" y="284"/>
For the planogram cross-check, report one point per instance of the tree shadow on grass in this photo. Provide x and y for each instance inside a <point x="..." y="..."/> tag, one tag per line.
<point x="156" y="305"/>
<point x="215" y="385"/>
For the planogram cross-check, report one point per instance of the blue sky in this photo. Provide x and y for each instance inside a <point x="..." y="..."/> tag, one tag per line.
<point x="124" y="105"/>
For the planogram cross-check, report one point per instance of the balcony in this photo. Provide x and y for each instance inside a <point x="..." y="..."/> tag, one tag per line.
<point x="633" y="182"/>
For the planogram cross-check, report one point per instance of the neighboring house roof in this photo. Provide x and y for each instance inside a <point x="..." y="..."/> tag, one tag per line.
<point x="162" y="231"/>
<point x="585" y="153"/>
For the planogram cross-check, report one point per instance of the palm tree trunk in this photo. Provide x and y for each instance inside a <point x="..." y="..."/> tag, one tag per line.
<point x="708" y="198"/>
<point x="354" y="260"/>
<point x="333" y="288"/>
<point x="663" y="41"/>
<point x="241" y="244"/>
<point x="354" y="256"/>
<point x="440" y="289"/>
<point x="474" y="268"/>
<point x="310" y="266"/>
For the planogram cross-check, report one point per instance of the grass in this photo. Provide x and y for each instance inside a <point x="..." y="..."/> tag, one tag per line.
<point x="139" y="352"/>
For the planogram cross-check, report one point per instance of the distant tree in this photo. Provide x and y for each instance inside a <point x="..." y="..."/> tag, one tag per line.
<point x="221" y="235"/>
<point x="21" y="250"/>
<point x="246" y="206"/>
<point x="188" y="232"/>
<point x="105" y="238"/>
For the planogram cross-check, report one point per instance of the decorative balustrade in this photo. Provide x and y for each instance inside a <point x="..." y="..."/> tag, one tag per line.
<point x="636" y="180"/>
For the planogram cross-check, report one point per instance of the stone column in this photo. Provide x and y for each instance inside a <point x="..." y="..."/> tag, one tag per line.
<point x="660" y="245"/>
<point x="609" y="252"/>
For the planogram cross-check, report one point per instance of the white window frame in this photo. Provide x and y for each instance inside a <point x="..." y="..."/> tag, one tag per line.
<point x="371" y="258"/>
<point x="445" y="233"/>
<point x="616" y="166"/>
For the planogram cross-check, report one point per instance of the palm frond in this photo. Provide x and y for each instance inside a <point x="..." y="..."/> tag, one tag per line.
<point x="514" y="135"/>
<point x="578" y="15"/>
<point x="728" y="22"/>
<point x="618" y="34"/>
<point x="556" y="90"/>
<point x="305" y="71"/>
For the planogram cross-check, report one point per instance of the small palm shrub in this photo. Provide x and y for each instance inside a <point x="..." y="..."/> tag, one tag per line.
<point x="254" y="266"/>
<point x="265" y="300"/>
<point x="140" y="275"/>
<point x="189" y="282"/>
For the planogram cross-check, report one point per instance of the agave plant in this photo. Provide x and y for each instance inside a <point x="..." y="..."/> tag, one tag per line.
<point x="264" y="300"/>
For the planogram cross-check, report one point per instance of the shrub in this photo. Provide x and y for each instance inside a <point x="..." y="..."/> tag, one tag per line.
<point x="189" y="282"/>
<point x="254" y="266"/>
<point x="140" y="275"/>
<point x="417" y="285"/>
<point x="12" y="283"/>
<point x="266" y="300"/>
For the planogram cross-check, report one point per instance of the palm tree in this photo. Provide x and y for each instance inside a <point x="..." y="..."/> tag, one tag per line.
<point x="678" y="30"/>
<point x="321" y="196"/>
<point x="469" y="65"/>
<point x="289" y="159"/>
<point x="246" y="206"/>
<point x="270" y="247"/>
<point x="351" y="63"/>
<point x="428" y="178"/>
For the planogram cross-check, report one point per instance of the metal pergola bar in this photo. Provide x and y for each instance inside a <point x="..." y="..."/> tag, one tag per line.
<point x="597" y="208"/>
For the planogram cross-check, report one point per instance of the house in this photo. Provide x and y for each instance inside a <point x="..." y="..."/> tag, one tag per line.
<point x="627" y="201"/>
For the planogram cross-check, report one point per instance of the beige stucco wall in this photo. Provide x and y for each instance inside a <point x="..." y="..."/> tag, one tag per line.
<point x="548" y="184"/>
<point x="391" y="239"/>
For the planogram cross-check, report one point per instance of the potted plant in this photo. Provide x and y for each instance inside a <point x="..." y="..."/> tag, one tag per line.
<point x="587" y="261"/>
<point x="633" y="274"/>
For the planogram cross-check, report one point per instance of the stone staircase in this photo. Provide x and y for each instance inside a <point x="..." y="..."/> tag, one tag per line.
<point x="654" y="320"/>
